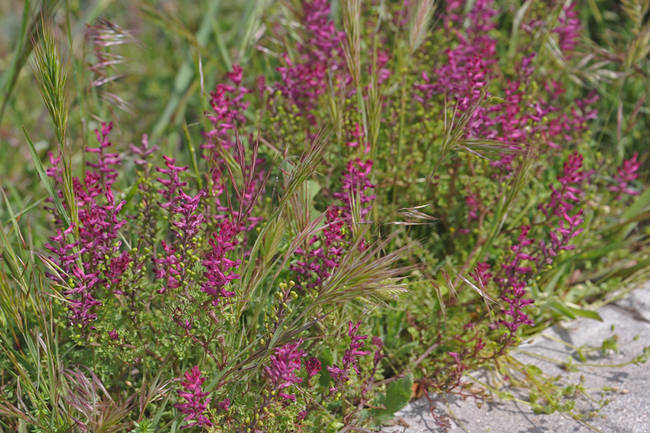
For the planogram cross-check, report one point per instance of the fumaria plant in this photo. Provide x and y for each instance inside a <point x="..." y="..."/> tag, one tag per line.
<point x="380" y="197"/>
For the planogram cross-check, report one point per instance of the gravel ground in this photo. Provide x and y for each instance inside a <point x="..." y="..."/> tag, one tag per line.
<point x="627" y="412"/>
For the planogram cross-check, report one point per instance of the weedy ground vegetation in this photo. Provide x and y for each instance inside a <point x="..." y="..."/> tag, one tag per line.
<point x="282" y="216"/>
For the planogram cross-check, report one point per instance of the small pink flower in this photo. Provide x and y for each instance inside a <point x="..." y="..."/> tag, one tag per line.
<point x="627" y="173"/>
<point x="285" y="363"/>
<point x="312" y="366"/>
<point x="351" y="356"/>
<point x="224" y="404"/>
<point x="568" y="29"/>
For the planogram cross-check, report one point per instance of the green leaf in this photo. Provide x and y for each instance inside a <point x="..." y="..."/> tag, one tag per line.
<point x="608" y="344"/>
<point x="397" y="395"/>
<point x="640" y="204"/>
<point x="146" y="426"/>
<point x="572" y="311"/>
<point x="582" y="312"/>
<point x="561" y="308"/>
<point x="312" y="189"/>
<point x="533" y="370"/>
<point x="335" y="426"/>
<point x="327" y="359"/>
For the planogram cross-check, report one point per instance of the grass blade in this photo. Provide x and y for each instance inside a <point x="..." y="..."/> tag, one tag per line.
<point x="46" y="182"/>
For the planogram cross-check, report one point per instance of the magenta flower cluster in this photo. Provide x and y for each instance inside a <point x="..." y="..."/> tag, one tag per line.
<point x="626" y="173"/>
<point x="219" y="269"/>
<point x="228" y="106"/>
<point x="568" y="28"/>
<point x="188" y="213"/>
<point x="168" y="268"/>
<point x="562" y="204"/>
<point x="201" y="227"/>
<point x="317" y="263"/>
<point x="513" y="285"/>
<point x="283" y="369"/>
<point x="227" y="119"/>
<point x="527" y="255"/>
<point x="89" y="252"/>
<point x="356" y="188"/>
<point x="196" y="400"/>
<point x="341" y="374"/>
<point x="322" y="60"/>
<point x="320" y="57"/>
<point x="482" y="274"/>
<point x="185" y="218"/>
<point x="517" y="121"/>
<point x="464" y="75"/>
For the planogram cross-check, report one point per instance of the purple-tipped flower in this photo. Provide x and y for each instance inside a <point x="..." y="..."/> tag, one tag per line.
<point x="168" y="268"/>
<point x="228" y="106"/>
<point x="473" y="206"/>
<point x="106" y="162"/>
<point x="54" y="171"/>
<point x="517" y="121"/>
<point x="627" y="173"/>
<point x="186" y="214"/>
<point x="326" y="250"/>
<point x="568" y="29"/>
<point x="316" y="264"/>
<point x="463" y="77"/>
<point x="561" y="205"/>
<point x="218" y="267"/>
<point x="514" y="296"/>
<point x="285" y="363"/>
<point x="356" y="186"/>
<point x="563" y="200"/>
<point x="379" y="353"/>
<point x="93" y="259"/>
<point x="196" y="401"/>
<point x="224" y="404"/>
<point x="513" y="285"/>
<point x="64" y="247"/>
<point x="482" y="274"/>
<point x="144" y="151"/>
<point x="351" y="356"/>
<point x="116" y="268"/>
<point x="319" y="58"/>
<point x="313" y="366"/>
<point x="81" y="301"/>
<point x="525" y="259"/>
<point x="172" y="183"/>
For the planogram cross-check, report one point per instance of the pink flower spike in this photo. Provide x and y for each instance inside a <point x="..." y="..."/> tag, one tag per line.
<point x="285" y="363"/>
<point x="196" y="400"/>
<point x="627" y="173"/>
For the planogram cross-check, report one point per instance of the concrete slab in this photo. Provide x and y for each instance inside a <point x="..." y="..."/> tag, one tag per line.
<point x="628" y="410"/>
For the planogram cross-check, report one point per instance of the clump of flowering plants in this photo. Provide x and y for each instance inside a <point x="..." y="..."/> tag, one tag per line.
<point x="160" y="275"/>
<point x="246" y="275"/>
<point x="482" y="149"/>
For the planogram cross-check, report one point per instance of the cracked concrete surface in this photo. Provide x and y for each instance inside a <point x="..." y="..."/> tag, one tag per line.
<point x="629" y="386"/>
